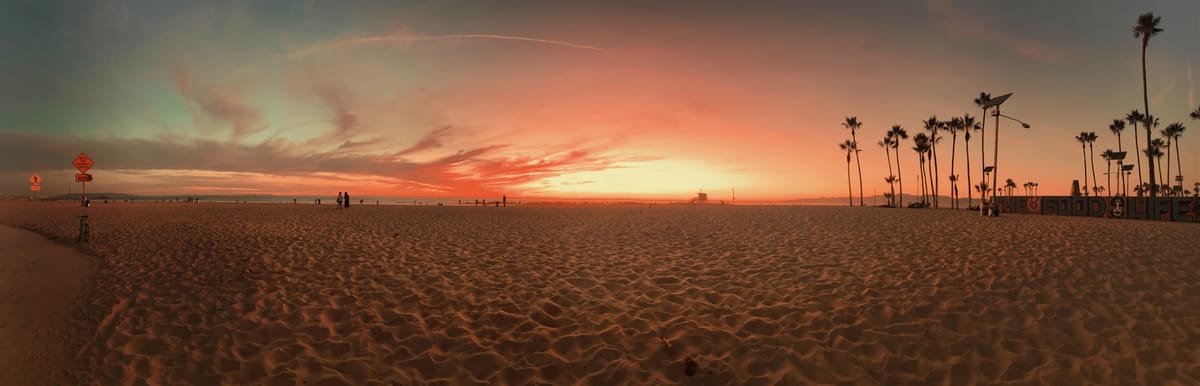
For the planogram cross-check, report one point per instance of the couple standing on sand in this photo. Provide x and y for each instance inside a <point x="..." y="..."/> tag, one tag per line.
<point x="343" y="197"/>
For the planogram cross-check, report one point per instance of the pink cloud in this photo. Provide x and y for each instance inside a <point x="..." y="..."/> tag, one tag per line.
<point x="244" y="119"/>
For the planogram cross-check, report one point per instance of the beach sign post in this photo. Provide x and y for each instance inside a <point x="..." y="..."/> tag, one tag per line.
<point x="83" y="163"/>
<point x="35" y="186"/>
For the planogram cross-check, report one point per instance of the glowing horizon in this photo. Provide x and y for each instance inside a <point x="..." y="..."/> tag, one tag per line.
<point x="544" y="99"/>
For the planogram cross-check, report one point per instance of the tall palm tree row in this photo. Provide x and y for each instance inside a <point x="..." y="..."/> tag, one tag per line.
<point x="853" y="124"/>
<point x="933" y="125"/>
<point x="1147" y="27"/>
<point x="969" y="125"/>
<point x="848" y="146"/>
<point x="1082" y="139"/>
<point x="1009" y="185"/>
<point x="1091" y="141"/>
<point x="1135" y="118"/>
<point x="898" y="134"/>
<point x="921" y="146"/>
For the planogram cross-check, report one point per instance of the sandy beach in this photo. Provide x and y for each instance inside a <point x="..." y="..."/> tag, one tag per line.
<point x="281" y="294"/>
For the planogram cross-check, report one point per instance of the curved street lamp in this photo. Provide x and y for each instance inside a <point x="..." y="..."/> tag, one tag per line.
<point x="996" y="102"/>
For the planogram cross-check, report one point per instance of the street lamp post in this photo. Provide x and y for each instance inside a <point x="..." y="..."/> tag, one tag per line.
<point x="1120" y="157"/>
<point x="992" y="209"/>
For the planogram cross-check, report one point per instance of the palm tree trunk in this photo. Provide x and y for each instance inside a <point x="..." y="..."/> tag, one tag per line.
<point x="1137" y="152"/>
<point x="935" y="175"/>
<point x="1178" y="162"/>
<point x="1085" y="168"/>
<point x="888" y="156"/>
<point x="1121" y="162"/>
<point x="1160" y="171"/>
<point x="930" y="179"/>
<point x="1092" y="150"/>
<point x="1109" y="174"/>
<point x="982" y="154"/>
<point x="967" y="148"/>
<point x="859" y="163"/>
<point x="954" y="181"/>
<point x="1161" y="177"/>
<point x="1146" y="102"/>
<point x="1167" y="179"/>
<point x="900" y="173"/>
<point x="849" y="181"/>
<point x="925" y="181"/>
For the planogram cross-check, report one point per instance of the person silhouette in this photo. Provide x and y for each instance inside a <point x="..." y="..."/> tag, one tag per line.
<point x="347" y="198"/>
<point x="339" y="201"/>
<point x="504" y="198"/>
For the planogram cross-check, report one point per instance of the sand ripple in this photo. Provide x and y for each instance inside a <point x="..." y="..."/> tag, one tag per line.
<point x="287" y="295"/>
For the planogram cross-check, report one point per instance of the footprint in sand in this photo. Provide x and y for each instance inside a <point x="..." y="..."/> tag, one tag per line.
<point x="690" y="367"/>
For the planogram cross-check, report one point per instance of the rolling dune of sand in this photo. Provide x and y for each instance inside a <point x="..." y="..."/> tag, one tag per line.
<point x="281" y="294"/>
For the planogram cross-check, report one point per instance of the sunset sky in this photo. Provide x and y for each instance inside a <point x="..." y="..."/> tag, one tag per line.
<point x="605" y="99"/>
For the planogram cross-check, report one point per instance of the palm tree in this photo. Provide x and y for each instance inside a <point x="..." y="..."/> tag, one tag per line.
<point x="853" y="124"/>
<point x="921" y="146"/>
<point x="849" y="147"/>
<point x="1166" y="136"/>
<point x="1109" y="155"/>
<point x="1155" y="152"/>
<point x="1174" y="131"/>
<point x="1196" y="115"/>
<point x="1146" y="27"/>
<point x="886" y="144"/>
<point x="898" y="134"/>
<point x="1151" y="122"/>
<point x="953" y="127"/>
<point x="1134" y="118"/>
<point x="1009" y="185"/>
<point x="891" y="180"/>
<point x="1082" y="139"/>
<point x="1091" y="140"/>
<point x="969" y="125"/>
<point x="933" y="125"/>
<point x="1116" y="127"/>
<point x="983" y="99"/>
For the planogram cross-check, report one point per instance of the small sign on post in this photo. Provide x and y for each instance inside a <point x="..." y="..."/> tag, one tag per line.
<point x="83" y="163"/>
<point x="35" y="179"/>
<point x="35" y="188"/>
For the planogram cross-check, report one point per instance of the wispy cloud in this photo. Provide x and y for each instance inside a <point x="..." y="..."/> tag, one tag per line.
<point x="963" y="24"/>
<point x="243" y="119"/>
<point x="1191" y="87"/>
<point x="407" y="37"/>
<point x="431" y="141"/>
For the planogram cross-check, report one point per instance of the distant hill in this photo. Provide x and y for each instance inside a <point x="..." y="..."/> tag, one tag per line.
<point x="94" y="196"/>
